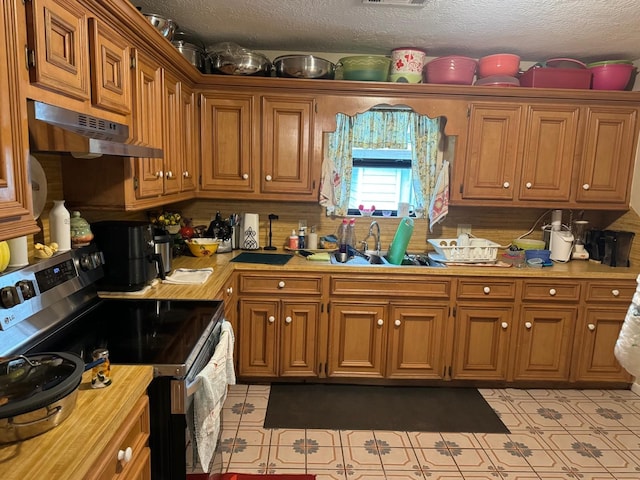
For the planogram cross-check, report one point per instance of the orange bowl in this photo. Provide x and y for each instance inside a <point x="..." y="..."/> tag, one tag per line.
<point x="499" y="64"/>
<point x="203" y="247"/>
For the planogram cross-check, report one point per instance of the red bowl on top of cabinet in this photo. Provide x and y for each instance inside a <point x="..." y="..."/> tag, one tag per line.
<point x="453" y="69"/>
<point x="506" y="64"/>
<point x="614" y="76"/>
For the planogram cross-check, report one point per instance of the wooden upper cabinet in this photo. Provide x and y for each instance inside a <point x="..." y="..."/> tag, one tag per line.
<point x="191" y="139"/>
<point x="110" y="63"/>
<point x="287" y="145"/>
<point x="492" y="153"/>
<point x="147" y="123"/>
<point x="172" y="133"/>
<point x="58" y="55"/>
<point x="549" y="153"/>
<point x="608" y="157"/>
<point x="227" y="122"/>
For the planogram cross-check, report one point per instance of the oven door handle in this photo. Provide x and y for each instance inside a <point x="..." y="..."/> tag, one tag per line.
<point x="181" y="391"/>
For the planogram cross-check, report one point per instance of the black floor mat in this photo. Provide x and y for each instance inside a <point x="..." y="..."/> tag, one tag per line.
<point x="355" y="407"/>
<point x="265" y="258"/>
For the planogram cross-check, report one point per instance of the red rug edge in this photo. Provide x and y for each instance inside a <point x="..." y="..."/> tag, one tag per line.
<point x="248" y="476"/>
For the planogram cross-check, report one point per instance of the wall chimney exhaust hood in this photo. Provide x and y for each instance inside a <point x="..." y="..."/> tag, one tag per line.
<point x="56" y="129"/>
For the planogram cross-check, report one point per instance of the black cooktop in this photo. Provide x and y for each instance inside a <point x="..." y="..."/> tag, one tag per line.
<point x="151" y="332"/>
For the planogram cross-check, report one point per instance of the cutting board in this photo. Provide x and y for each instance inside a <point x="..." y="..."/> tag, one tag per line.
<point x="264" y="258"/>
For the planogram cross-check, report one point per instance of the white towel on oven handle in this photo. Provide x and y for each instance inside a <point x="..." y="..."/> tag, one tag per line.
<point x="209" y="398"/>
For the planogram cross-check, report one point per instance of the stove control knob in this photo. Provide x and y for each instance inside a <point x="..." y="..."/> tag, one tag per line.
<point x="9" y="297"/>
<point x="85" y="263"/>
<point x="97" y="259"/>
<point x="27" y="289"/>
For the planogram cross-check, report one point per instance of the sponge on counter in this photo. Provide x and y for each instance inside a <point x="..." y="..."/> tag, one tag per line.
<point x="321" y="257"/>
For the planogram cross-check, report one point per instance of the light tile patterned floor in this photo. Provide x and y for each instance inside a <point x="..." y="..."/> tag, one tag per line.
<point x="555" y="435"/>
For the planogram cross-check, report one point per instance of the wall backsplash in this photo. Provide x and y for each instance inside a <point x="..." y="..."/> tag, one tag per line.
<point x="500" y="225"/>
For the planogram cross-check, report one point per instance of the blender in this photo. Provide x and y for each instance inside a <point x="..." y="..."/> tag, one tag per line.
<point x="580" y="233"/>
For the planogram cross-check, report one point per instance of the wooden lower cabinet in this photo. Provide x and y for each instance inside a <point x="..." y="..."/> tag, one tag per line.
<point x="386" y="340"/>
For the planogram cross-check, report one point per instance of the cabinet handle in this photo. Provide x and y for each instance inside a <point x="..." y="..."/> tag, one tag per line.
<point x="125" y="455"/>
<point x="245" y="176"/>
<point x="591" y="327"/>
<point x="380" y="322"/>
<point x="268" y="178"/>
<point x="528" y="325"/>
<point x="486" y="290"/>
<point x="271" y="319"/>
<point x="552" y="292"/>
<point x="586" y="186"/>
<point x="281" y="284"/>
<point x="504" y="325"/>
<point x="528" y="185"/>
<point x="506" y="185"/>
<point x="288" y="320"/>
<point x="397" y="323"/>
<point x="615" y="293"/>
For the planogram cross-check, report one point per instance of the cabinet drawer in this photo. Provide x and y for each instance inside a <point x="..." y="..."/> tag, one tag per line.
<point x="391" y="287"/>
<point x="487" y="288"/>
<point x="550" y="290"/>
<point x="133" y="433"/>
<point x="282" y="283"/>
<point x="621" y="291"/>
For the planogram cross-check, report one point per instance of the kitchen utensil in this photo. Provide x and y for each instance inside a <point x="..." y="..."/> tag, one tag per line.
<point x="19" y="249"/>
<point x="560" y="244"/>
<point x="163" y="245"/>
<point x="203" y="247"/>
<point x="564" y="63"/>
<point x="303" y="66"/>
<point x="407" y="64"/>
<point x="614" y="76"/>
<point x="251" y="231"/>
<point x="499" y="64"/>
<point x="608" y="62"/>
<point x="400" y="241"/>
<point x="476" y="250"/>
<point x="81" y="234"/>
<point x="365" y="67"/>
<point x="452" y="69"/>
<point x="165" y="26"/>
<point x="238" y="62"/>
<point x="272" y="216"/>
<point x="543" y="77"/>
<point x="193" y="53"/>
<point x="528" y="244"/>
<point x="498" y="81"/>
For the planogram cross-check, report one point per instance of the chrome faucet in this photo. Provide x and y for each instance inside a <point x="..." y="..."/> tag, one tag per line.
<point x="375" y="235"/>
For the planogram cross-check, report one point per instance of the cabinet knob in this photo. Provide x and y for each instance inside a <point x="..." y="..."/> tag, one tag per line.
<point x="268" y="178"/>
<point x="159" y="174"/>
<point x="125" y="455"/>
<point x="504" y="325"/>
<point x="230" y="291"/>
<point x="281" y="284"/>
<point x="271" y="319"/>
<point x="615" y="293"/>
<point x="528" y="325"/>
<point x="552" y="292"/>
<point x="380" y="322"/>
<point x="591" y="327"/>
<point x="486" y="290"/>
<point x="528" y="185"/>
<point x="245" y="176"/>
<point x="288" y="319"/>
<point x="169" y="174"/>
<point x="586" y="186"/>
<point x="397" y="323"/>
<point x="186" y="174"/>
<point x="506" y="185"/>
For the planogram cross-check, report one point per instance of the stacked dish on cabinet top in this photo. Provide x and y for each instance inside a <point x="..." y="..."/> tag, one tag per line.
<point x="499" y="70"/>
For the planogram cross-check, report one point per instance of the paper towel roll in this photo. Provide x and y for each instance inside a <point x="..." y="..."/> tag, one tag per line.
<point x="19" y="252"/>
<point x="250" y="231"/>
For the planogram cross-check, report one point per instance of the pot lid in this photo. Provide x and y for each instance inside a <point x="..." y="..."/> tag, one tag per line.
<point x="30" y="382"/>
<point x="38" y="186"/>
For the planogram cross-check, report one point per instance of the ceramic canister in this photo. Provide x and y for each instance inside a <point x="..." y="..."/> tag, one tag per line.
<point x="406" y="65"/>
<point x="250" y="231"/>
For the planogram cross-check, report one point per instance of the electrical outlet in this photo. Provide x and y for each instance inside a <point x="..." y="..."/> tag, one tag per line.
<point x="464" y="228"/>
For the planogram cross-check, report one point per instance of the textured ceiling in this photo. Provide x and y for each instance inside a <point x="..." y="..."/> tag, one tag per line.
<point x="588" y="30"/>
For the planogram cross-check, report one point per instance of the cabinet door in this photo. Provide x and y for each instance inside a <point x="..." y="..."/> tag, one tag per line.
<point x="58" y="46"/>
<point x="549" y="152"/>
<point x="147" y="123"/>
<point x="356" y="339"/>
<point x="257" y="333"/>
<point x="607" y="160"/>
<point x="191" y="135"/>
<point x="110" y="59"/>
<point x="596" y="338"/>
<point x="298" y="339"/>
<point x="227" y="123"/>
<point x="172" y="133"/>
<point x="287" y="146"/>
<point x="545" y="340"/>
<point x="492" y="153"/>
<point x="482" y="340"/>
<point x="416" y="341"/>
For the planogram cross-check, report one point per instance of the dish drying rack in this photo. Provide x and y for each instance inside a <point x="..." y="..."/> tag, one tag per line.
<point x="479" y="250"/>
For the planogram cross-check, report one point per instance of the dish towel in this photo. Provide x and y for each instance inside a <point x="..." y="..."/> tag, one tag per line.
<point x="439" y="205"/>
<point x="210" y="396"/>
<point x="184" y="276"/>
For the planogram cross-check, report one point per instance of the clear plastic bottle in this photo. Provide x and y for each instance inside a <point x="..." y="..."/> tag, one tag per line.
<point x="342" y="236"/>
<point x="351" y="234"/>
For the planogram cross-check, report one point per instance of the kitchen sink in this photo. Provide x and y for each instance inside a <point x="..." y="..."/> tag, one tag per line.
<point x="370" y="258"/>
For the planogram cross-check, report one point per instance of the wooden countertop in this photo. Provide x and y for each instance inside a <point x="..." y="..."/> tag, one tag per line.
<point x="223" y="268"/>
<point x="69" y="450"/>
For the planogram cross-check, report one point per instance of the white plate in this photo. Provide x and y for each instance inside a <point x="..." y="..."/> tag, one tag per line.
<point x="38" y="186"/>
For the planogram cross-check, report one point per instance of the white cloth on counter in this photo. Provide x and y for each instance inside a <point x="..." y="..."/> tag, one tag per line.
<point x="186" y="276"/>
<point x="210" y="396"/>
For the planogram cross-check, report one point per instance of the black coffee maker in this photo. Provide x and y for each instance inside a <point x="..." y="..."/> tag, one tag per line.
<point x="131" y="262"/>
<point x="609" y="247"/>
